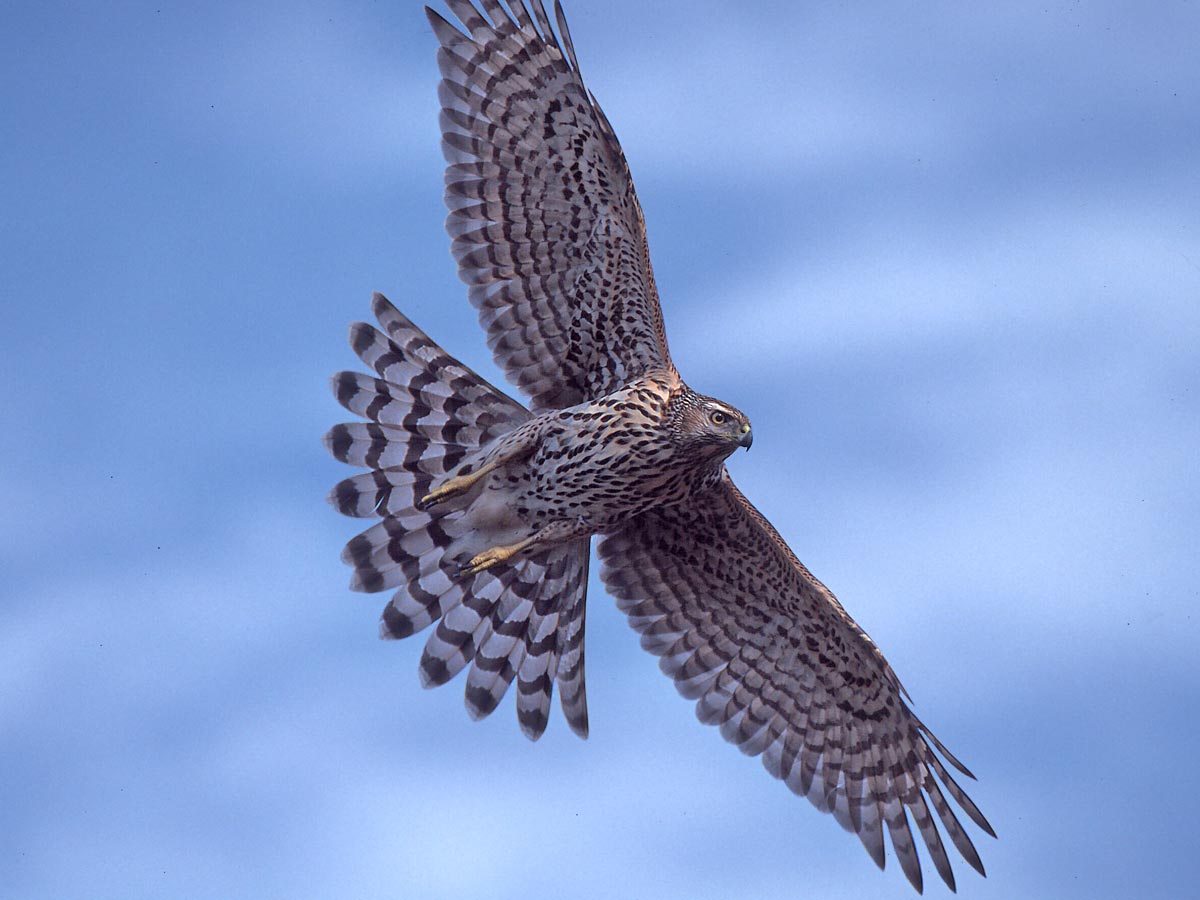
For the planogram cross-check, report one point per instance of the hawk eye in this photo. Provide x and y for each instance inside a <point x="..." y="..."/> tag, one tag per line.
<point x="718" y="418"/>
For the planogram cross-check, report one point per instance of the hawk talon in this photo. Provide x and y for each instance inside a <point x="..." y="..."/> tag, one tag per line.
<point x="452" y="487"/>
<point x="494" y="556"/>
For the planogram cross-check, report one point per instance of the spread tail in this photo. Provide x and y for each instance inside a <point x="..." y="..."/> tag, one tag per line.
<point x="427" y="413"/>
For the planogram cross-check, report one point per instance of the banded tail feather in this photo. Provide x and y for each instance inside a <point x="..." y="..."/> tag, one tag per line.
<point x="428" y="416"/>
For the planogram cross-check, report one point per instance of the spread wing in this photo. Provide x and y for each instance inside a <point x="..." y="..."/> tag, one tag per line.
<point x="771" y="657"/>
<point x="544" y="221"/>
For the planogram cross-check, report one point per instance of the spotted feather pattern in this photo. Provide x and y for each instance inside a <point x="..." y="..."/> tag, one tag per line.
<point x="774" y="661"/>
<point x="544" y="221"/>
<point x="426" y="413"/>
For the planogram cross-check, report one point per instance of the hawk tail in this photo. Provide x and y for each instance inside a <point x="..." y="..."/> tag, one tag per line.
<point x="426" y="413"/>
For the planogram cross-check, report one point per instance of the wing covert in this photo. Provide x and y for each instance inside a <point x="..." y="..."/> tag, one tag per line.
<point x="544" y="221"/>
<point x="772" y="658"/>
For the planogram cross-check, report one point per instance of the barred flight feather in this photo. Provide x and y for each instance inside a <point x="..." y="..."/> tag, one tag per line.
<point x="545" y="224"/>
<point x="427" y="415"/>
<point x="773" y="660"/>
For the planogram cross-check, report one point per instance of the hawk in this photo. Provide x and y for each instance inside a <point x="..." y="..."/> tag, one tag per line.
<point x="486" y="508"/>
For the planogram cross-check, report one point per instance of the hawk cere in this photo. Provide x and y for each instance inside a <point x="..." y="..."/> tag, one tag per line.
<point x="486" y="509"/>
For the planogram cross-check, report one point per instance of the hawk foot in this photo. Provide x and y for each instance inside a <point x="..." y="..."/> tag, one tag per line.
<point x="454" y="486"/>
<point x="494" y="556"/>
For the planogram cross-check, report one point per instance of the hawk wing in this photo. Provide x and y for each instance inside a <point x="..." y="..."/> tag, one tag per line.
<point x="544" y="221"/>
<point x="771" y="657"/>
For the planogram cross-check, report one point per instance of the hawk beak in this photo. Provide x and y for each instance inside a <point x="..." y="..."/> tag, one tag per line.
<point x="747" y="437"/>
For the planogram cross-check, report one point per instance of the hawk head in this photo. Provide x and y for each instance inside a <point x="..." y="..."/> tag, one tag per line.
<point x="709" y="428"/>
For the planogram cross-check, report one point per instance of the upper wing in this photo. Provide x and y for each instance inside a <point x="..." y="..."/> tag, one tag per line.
<point x="544" y="221"/>
<point x="771" y="657"/>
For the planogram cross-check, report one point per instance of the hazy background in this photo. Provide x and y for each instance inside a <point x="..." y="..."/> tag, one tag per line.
<point x="947" y="257"/>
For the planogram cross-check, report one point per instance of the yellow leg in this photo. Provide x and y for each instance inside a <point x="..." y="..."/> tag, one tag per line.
<point x="456" y="485"/>
<point x="495" y="555"/>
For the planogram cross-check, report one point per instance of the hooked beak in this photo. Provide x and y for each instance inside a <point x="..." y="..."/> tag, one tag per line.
<point x="747" y="437"/>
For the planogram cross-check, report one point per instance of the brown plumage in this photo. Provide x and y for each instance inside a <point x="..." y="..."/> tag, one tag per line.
<point x="487" y="509"/>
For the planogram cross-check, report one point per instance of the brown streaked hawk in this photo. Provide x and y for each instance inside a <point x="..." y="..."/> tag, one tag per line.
<point x="486" y="509"/>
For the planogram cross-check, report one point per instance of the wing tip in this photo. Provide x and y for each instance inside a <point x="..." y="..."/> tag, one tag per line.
<point x="440" y="24"/>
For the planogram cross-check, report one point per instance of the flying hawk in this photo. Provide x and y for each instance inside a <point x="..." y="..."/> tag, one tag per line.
<point x="487" y="508"/>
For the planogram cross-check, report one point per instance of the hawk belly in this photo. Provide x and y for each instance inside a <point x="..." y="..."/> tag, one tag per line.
<point x="579" y="471"/>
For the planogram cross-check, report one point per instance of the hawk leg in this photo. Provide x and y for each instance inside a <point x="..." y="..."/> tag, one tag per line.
<point x="554" y="533"/>
<point x="495" y="555"/>
<point x="456" y="485"/>
<point x="513" y="446"/>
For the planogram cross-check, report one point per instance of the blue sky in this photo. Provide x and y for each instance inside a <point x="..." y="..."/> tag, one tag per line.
<point x="946" y="258"/>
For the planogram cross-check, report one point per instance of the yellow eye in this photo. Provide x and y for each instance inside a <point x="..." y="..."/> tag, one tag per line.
<point x="718" y="418"/>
